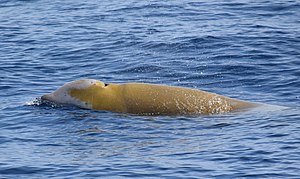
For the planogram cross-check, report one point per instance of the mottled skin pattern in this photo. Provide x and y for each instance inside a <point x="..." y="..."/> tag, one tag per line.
<point x="144" y="99"/>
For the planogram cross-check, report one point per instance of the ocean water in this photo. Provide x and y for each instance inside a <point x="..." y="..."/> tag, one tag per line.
<point x="246" y="49"/>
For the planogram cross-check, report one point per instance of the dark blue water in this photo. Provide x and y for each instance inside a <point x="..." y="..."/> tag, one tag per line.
<point x="245" y="49"/>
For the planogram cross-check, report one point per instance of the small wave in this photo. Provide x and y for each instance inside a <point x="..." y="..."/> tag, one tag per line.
<point x="40" y="102"/>
<point x="34" y="102"/>
<point x="263" y="108"/>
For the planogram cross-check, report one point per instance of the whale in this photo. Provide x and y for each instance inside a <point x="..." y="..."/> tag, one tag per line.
<point x="144" y="99"/>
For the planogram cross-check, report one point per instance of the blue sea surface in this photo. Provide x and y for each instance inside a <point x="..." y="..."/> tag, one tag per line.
<point x="245" y="49"/>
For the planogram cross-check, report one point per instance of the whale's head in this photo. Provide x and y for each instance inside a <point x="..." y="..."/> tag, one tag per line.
<point x="78" y="93"/>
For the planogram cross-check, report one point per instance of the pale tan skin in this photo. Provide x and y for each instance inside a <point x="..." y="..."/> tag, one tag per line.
<point x="151" y="99"/>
